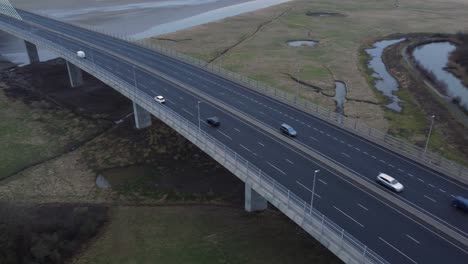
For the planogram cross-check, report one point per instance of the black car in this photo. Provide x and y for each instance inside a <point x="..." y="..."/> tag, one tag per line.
<point x="213" y="121"/>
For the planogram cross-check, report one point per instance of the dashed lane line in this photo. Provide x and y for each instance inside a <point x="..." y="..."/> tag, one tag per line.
<point x="236" y="129"/>
<point x="412" y="238"/>
<point x="261" y="144"/>
<point x="289" y="161"/>
<point x="185" y="110"/>
<point x="322" y="181"/>
<point x="224" y="134"/>
<point x="430" y="198"/>
<point x="354" y="220"/>
<point x="276" y="168"/>
<point x="398" y="250"/>
<point x="314" y="138"/>
<point x="363" y="207"/>
<point x="242" y="146"/>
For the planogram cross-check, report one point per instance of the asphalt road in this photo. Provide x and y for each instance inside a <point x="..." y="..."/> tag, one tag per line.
<point x="384" y="229"/>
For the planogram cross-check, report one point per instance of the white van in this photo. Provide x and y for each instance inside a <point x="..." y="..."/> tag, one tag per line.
<point x="81" y="54"/>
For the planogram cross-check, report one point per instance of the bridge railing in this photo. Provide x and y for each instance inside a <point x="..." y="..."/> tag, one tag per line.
<point x="398" y="145"/>
<point x="315" y="223"/>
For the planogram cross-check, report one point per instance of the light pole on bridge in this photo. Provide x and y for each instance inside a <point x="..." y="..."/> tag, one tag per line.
<point x="429" y="134"/>
<point x="313" y="192"/>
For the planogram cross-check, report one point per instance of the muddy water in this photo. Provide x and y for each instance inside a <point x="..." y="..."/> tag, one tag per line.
<point x="340" y="96"/>
<point x="434" y="58"/>
<point x="301" y="43"/>
<point x="207" y="17"/>
<point x="140" y="18"/>
<point x="385" y="82"/>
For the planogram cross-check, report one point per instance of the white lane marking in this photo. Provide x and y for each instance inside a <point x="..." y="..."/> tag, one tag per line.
<point x="242" y="103"/>
<point x="165" y="89"/>
<point x="321" y="131"/>
<point x="314" y="138"/>
<point x="412" y="238"/>
<point x="374" y="157"/>
<point x="290" y="161"/>
<point x="242" y="146"/>
<point x="261" y="144"/>
<point x="357" y="149"/>
<point x="308" y="125"/>
<point x="398" y="250"/>
<point x="236" y="129"/>
<point x="342" y="141"/>
<point x="453" y="196"/>
<point x="382" y="161"/>
<point x="421" y="180"/>
<point x="181" y="98"/>
<point x="335" y="138"/>
<point x="400" y="170"/>
<point x="391" y="165"/>
<point x="349" y="216"/>
<point x="261" y="112"/>
<point x="349" y="145"/>
<point x="344" y="154"/>
<point x="365" y="153"/>
<point x="363" y="207"/>
<point x="185" y="110"/>
<point x="410" y="174"/>
<point x="322" y="181"/>
<point x="276" y="168"/>
<point x="328" y="134"/>
<point x="224" y="134"/>
<point x="431" y="185"/>
<point x="442" y="190"/>
<point x="430" y="198"/>
<point x="305" y="187"/>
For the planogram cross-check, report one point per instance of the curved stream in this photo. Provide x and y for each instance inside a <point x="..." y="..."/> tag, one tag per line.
<point x="385" y="82"/>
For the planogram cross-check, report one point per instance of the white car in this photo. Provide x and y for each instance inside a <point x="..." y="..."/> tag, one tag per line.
<point x="389" y="182"/>
<point x="81" y="54"/>
<point x="160" y="99"/>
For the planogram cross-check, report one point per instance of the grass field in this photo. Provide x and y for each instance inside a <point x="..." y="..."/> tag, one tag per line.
<point x="202" y="235"/>
<point x="30" y="134"/>
<point x="260" y="50"/>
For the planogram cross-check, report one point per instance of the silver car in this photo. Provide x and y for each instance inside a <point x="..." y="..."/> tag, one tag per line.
<point x="389" y="182"/>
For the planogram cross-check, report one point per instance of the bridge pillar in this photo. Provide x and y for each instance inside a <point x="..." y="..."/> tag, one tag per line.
<point x="253" y="200"/>
<point x="31" y="49"/>
<point x="142" y="117"/>
<point x="75" y="75"/>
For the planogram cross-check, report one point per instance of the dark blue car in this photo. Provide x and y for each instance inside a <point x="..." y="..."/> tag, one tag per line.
<point x="460" y="203"/>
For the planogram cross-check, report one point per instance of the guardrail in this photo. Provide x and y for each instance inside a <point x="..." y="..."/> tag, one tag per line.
<point x="432" y="160"/>
<point x="335" y="238"/>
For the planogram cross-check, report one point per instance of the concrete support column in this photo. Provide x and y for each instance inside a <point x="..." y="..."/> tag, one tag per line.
<point x="31" y="49"/>
<point x="142" y="117"/>
<point x="253" y="200"/>
<point x="75" y="75"/>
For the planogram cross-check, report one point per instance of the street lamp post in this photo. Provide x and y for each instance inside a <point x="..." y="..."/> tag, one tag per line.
<point x="313" y="192"/>
<point x="199" y="124"/>
<point x="429" y="134"/>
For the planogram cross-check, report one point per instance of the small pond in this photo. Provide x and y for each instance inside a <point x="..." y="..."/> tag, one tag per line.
<point x="340" y="96"/>
<point x="302" y="43"/>
<point x="385" y="82"/>
<point x="434" y="58"/>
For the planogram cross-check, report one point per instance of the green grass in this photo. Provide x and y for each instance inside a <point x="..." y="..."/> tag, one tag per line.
<point x="202" y="235"/>
<point x="31" y="134"/>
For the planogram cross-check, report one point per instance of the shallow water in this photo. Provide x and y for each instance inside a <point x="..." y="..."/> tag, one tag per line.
<point x="300" y="43"/>
<point x="139" y="19"/>
<point x="385" y="83"/>
<point x="340" y="96"/>
<point x="434" y="57"/>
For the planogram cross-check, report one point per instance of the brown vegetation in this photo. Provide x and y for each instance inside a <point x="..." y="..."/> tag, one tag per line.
<point x="46" y="233"/>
